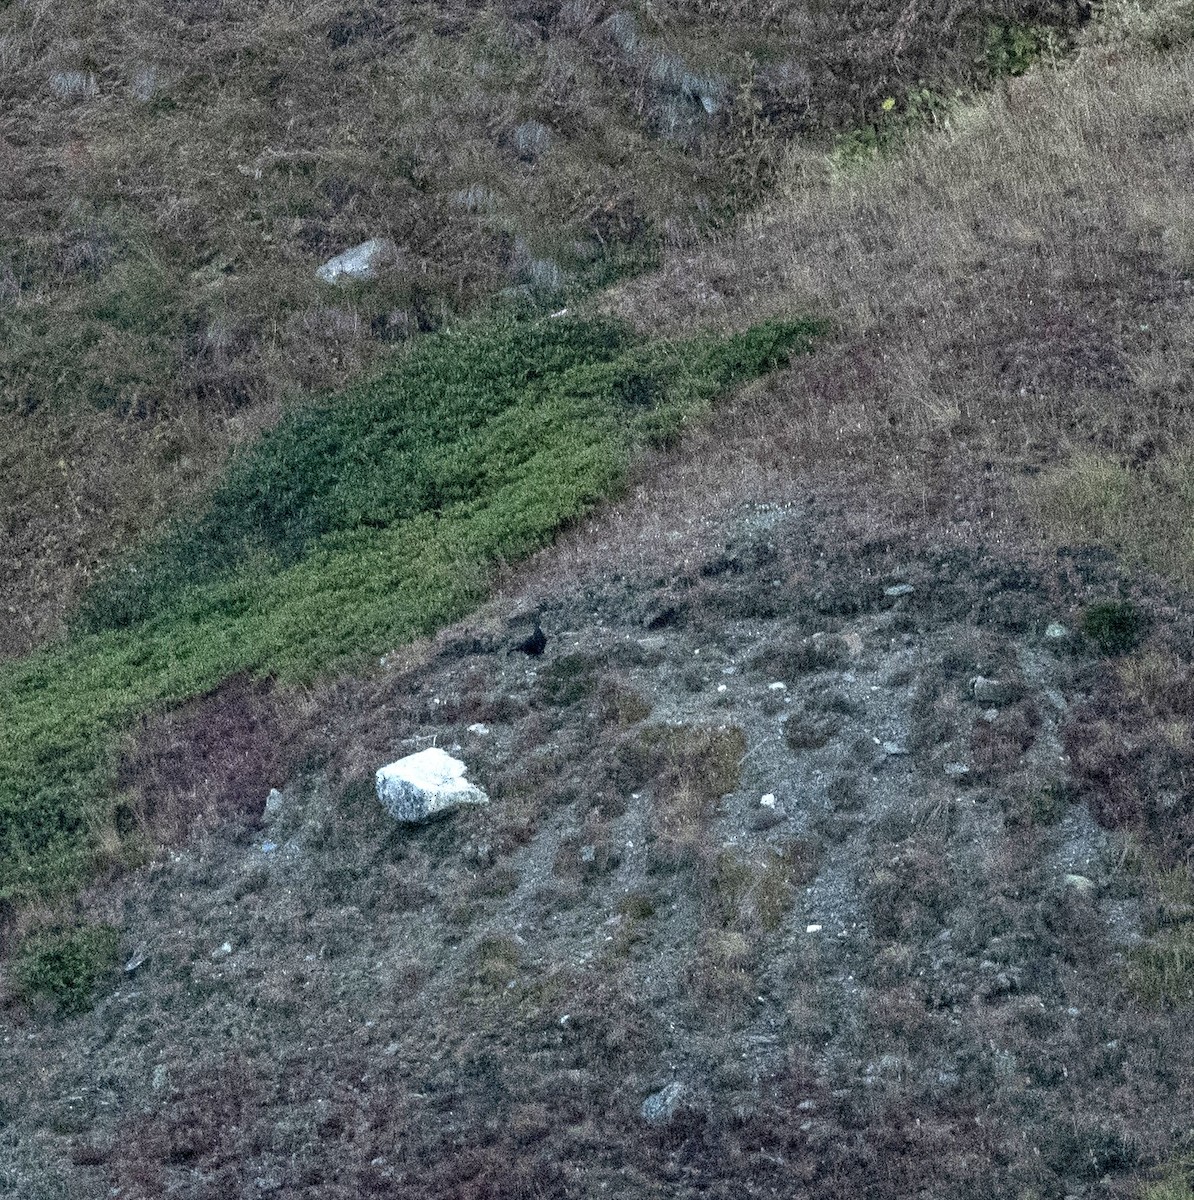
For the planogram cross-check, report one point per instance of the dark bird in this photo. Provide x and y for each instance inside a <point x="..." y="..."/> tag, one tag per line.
<point x="534" y="643"/>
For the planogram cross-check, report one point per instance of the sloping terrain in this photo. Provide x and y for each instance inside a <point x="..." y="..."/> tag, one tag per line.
<point x="851" y="795"/>
<point x="171" y="175"/>
<point x="806" y="828"/>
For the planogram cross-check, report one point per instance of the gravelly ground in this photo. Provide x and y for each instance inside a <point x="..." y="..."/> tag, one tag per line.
<point x="865" y="963"/>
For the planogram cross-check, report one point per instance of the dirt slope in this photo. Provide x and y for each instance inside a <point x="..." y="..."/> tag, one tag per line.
<point x="881" y="983"/>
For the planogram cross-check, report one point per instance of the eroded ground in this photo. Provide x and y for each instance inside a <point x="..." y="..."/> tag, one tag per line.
<point x="807" y="827"/>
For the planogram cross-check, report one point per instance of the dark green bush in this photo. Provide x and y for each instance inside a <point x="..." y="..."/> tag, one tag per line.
<point x="64" y="967"/>
<point x="1115" y="626"/>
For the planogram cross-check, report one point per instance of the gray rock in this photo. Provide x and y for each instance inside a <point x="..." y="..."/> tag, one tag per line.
<point x="476" y="198"/>
<point x="1080" y="884"/>
<point x="424" y="785"/>
<point x="146" y="82"/>
<point x="361" y="262"/>
<point x="662" y="1106"/>
<point x="989" y="691"/>
<point x="623" y="29"/>
<point x="1056" y="630"/>
<point x="273" y="804"/>
<point x="532" y="138"/>
<point x="899" y="589"/>
<point x="74" y="85"/>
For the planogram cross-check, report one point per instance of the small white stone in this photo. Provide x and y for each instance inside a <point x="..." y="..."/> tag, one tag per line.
<point x="767" y="801"/>
<point x="360" y="262"/>
<point x="721" y="687"/>
<point x="778" y="687"/>
<point x="222" y="951"/>
<point x="479" y="728"/>
<point x="813" y="928"/>
<point x="1056" y="630"/>
<point x="899" y="589"/>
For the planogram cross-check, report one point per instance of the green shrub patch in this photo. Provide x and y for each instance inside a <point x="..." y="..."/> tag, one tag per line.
<point x="64" y="967"/>
<point x="360" y="522"/>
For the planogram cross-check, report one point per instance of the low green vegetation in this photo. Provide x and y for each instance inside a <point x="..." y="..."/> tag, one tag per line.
<point x="359" y="523"/>
<point x="64" y="967"/>
<point x="1115" y="626"/>
<point x="892" y="126"/>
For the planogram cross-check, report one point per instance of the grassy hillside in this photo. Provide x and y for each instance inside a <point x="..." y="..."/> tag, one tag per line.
<point x="1016" y="287"/>
<point x="174" y="175"/>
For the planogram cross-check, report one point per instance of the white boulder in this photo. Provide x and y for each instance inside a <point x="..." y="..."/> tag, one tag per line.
<point x="361" y="262"/>
<point x="423" y="785"/>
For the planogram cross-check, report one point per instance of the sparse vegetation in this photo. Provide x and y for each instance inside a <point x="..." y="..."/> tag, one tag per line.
<point x="693" y="768"/>
<point x="1115" y="626"/>
<point x="280" y="578"/>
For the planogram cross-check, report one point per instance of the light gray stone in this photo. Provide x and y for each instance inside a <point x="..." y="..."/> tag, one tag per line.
<point x="989" y="691"/>
<point x="74" y="84"/>
<point x="360" y="262"/>
<point x="145" y="82"/>
<point x="532" y="138"/>
<point x="899" y="589"/>
<point x="424" y="785"/>
<point x="661" y="1106"/>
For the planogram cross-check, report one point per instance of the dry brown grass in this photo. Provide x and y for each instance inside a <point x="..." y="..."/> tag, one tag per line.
<point x="1012" y="290"/>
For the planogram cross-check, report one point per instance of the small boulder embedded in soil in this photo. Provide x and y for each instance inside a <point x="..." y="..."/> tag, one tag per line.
<point x="661" y="1106"/>
<point x="425" y="785"/>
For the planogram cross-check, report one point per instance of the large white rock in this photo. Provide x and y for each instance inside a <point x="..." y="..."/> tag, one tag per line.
<point x="423" y="785"/>
<point x="361" y="262"/>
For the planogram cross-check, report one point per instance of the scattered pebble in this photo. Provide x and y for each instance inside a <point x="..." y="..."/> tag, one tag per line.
<point x="813" y="928"/>
<point x="778" y="687"/>
<point x="767" y="801"/>
<point x="479" y="728"/>
<point x="899" y="589"/>
<point x="222" y="951"/>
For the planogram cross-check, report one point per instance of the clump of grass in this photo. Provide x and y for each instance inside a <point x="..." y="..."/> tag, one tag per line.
<point x="357" y="525"/>
<point x="623" y="705"/>
<point x="1115" y="626"/>
<point x="1160" y="970"/>
<point x="64" y="967"/>
<point x="794" y="863"/>
<point x="1174" y="1183"/>
<point x="1143" y="511"/>
<point x="637" y="906"/>
<point x="496" y="962"/>
<point x="694" y="767"/>
<point x="569" y="680"/>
